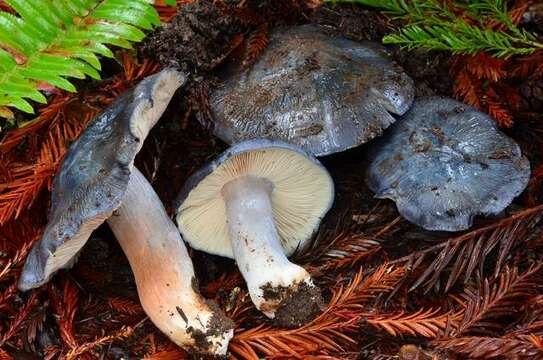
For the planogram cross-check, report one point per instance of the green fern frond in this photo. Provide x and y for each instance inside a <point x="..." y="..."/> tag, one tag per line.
<point x="459" y="27"/>
<point x="52" y="40"/>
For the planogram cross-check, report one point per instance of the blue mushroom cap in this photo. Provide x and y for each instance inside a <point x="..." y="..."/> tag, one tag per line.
<point x="323" y="93"/>
<point x="444" y="162"/>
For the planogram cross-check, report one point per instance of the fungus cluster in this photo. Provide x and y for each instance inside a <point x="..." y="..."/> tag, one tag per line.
<point x="262" y="200"/>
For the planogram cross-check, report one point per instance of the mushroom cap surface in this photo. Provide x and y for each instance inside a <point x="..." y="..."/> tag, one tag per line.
<point x="325" y="94"/>
<point x="444" y="162"/>
<point x="94" y="174"/>
<point x="302" y="194"/>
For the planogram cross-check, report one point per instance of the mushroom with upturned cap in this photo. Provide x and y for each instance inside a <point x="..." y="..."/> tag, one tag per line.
<point x="94" y="174"/>
<point x="445" y="162"/>
<point x="95" y="179"/>
<point x="257" y="203"/>
<point x="325" y="94"/>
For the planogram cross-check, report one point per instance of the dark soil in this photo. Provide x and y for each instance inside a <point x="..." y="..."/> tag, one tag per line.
<point x="299" y="307"/>
<point x="532" y="20"/>
<point x="194" y="39"/>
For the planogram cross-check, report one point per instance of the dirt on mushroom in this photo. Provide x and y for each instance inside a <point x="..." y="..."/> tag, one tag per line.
<point x="217" y="325"/>
<point x="299" y="306"/>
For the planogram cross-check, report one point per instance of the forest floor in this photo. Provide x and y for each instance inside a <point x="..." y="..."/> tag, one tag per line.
<point x="393" y="290"/>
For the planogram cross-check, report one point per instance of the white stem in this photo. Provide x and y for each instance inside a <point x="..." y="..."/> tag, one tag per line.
<point x="164" y="273"/>
<point x="256" y="245"/>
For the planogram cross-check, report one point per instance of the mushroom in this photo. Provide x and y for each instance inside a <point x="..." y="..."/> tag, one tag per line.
<point x="96" y="179"/>
<point x="445" y="162"/>
<point x="258" y="203"/>
<point x="94" y="174"/>
<point x="325" y="94"/>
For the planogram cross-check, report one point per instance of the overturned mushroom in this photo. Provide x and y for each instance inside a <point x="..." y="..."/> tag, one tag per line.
<point x="445" y="162"/>
<point x="94" y="174"/>
<point x="325" y="94"/>
<point x="257" y="203"/>
<point x="96" y="178"/>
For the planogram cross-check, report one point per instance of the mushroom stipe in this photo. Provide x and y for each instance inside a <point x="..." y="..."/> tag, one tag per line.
<point x="164" y="274"/>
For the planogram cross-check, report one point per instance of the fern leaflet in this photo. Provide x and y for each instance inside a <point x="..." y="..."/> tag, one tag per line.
<point x="52" y="40"/>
